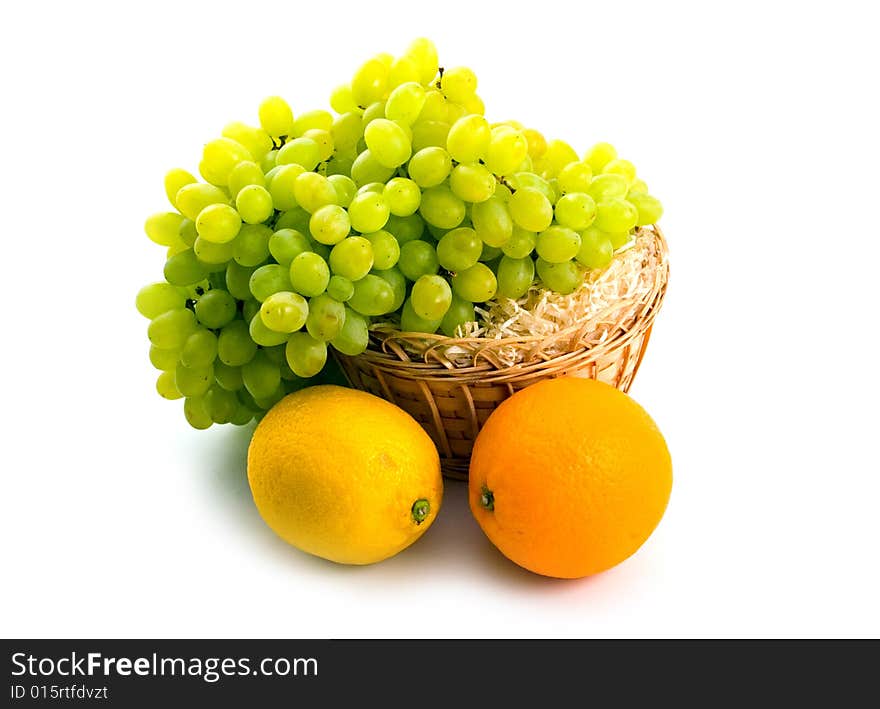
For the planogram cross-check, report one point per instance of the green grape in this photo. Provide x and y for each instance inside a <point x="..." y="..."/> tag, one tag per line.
<point x="252" y="245"/>
<point x="269" y="279"/>
<point x="372" y="296"/>
<point x="267" y="402"/>
<point x="245" y="399"/>
<point x="441" y="208"/>
<point x="558" y="155"/>
<point x="354" y="336"/>
<point x="318" y="119"/>
<point x="296" y="218"/>
<point x="403" y="196"/>
<point x="261" y="376"/>
<point x="405" y="228"/>
<point x="324" y="140"/>
<point x="352" y="258"/>
<point x="476" y="284"/>
<point x="284" y="312"/>
<point x="254" y="204"/>
<point x="163" y="228"/>
<point x="375" y="110"/>
<point x="394" y="278"/>
<point x="616" y="215"/>
<point x="213" y="256"/>
<point x="268" y="162"/>
<point x="329" y="224"/>
<point x="618" y="239"/>
<point x="165" y="360"/>
<point x="342" y="100"/>
<point x="562" y="277"/>
<point x="596" y="250"/>
<point x="166" y="386"/>
<point x="218" y="223"/>
<point x="638" y="186"/>
<point x="429" y="134"/>
<point x="184" y="269"/>
<point x="262" y="335"/>
<point x="489" y="254"/>
<point x="250" y="308"/>
<point x="366" y="169"/>
<point x="431" y="297"/>
<point x="473" y="104"/>
<point x="530" y="209"/>
<point x="599" y="156"/>
<point x="430" y="167"/>
<point x="472" y="183"/>
<point x="345" y="188"/>
<point x="234" y="344"/>
<point x="193" y="198"/>
<point x="607" y="187"/>
<point x="370" y="83"/>
<point x="558" y="244"/>
<point x="193" y="381"/>
<point x="220" y="404"/>
<point x="347" y="130"/>
<point x="245" y="174"/>
<point x="537" y="143"/>
<point x="575" y="210"/>
<point x="459" y="249"/>
<point x="376" y="187"/>
<point x="502" y="192"/>
<point x="299" y="151"/>
<point x="368" y="211"/>
<point x="649" y="208"/>
<point x="492" y="221"/>
<point x="403" y="70"/>
<point x="418" y="258"/>
<point x="200" y="349"/>
<point x="306" y="356"/>
<point x="520" y="244"/>
<point x="216" y="279"/>
<point x="196" y="413"/>
<point x="242" y="416"/>
<point x="434" y="108"/>
<point x="174" y="180"/>
<point x="227" y="377"/>
<point x="523" y="180"/>
<point x="219" y="157"/>
<point x="157" y="298"/>
<point x="624" y="168"/>
<point x="276" y="118"/>
<point x="326" y="317"/>
<point x="575" y="177"/>
<point x="309" y="274"/>
<point x="460" y="311"/>
<point x="405" y="102"/>
<point x="216" y="308"/>
<point x="275" y="353"/>
<point x="187" y="232"/>
<point x="238" y="280"/>
<point x="340" y="288"/>
<point x="468" y="139"/>
<point x="281" y="186"/>
<point x="386" y="250"/>
<point x="507" y="149"/>
<point x="411" y="322"/>
<point x="423" y="54"/>
<point x="515" y="276"/>
<point x="454" y="111"/>
<point x="255" y="140"/>
<point x="458" y="84"/>
<point x="321" y="249"/>
<point x="313" y="191"/>
<point x="286" y="244"/>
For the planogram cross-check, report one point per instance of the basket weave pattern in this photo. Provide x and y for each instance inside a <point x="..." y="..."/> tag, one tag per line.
<point x="452" y="385"/>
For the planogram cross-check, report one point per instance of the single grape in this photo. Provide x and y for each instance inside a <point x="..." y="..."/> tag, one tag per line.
<point x="284" y="312"/>
<point x="431" y="297"/>
<point x="492" y="221"/>
<point x="299" y="151"/>
<point x="405" y="228"/>
<point x="507" y="149"/>
<point x="193" y="381"/>
<point x="616" y="215"/>
<point x="370" y="83"/>
<point x="219" y="157"/>
<point x="184" y="269"/>
<point x="375" y="110"/>
<point x="558" y="155"/>
<point x="473" y="104"/>
<point x="245" y="174"/>
<point x="340" y="288"/>
<point x="286" y="244"/>
<point x="468" y="139"/>
<point x="187" y="232"/>
<point x="163" y="228"/>
<point x="372" y="296"/>
<point x="403" y="70"/>
<point x="423" y="55"/>
<point x="403" y="195"/>
<point x="604" y="187"/>
<point x="460" y="311"/>
<point x="458" y="83"/>
<point x="418" y="258"/>
<point x="368" y="211"/>
<point x="262" y="335"/>
<point x="268" y="162"/>
<point x="352" y="258"/>
<point x="342" y="100"/>
<point x="276" y="118"/>
<point x="599" y="156"/>
<point x="254" y="204"/>
<point x="193" y="198"/>
<point x="215" y="308"/>
<point x="515" y="276"/>
<point x="537" y="143"/>
<point x="269" y="279"/>
<point x="326" y="317"/>
<point x="313" y="191"/>
<point x="434" y="108"/>
<point x="261" y="376"/>
<point x="394" y="278"/>
<point x="281" y="186"/>
<point x="309" y="274"/>
<point x="157" y="298"/>
<point x="200" y="349"/>
<point x="624" y="168"/>
<point x="242" y="416"/>
<point x="238" y="280"/>
<point x="557" y="244"/>
<point x="306" y="356"/>
<point x="234" y="344"/>
<point x="220" y="404"/>
<point x="459" y="249"/>
<point x="212" y="255"/>
<point x="324" y="140"/>
<point x="296" y="218"/>
<point x="386" y="250"/>
<point x="648" y="207"/>
<point x="345" y="188"/>
<point x="562" y="277"/>
<point x="638" y="186"/>
<point x="167" y="387"/>
<point x="255" y="140"/>
<point x="318" y="119"/>
<point x="476" y="284"/>
<point x="429" y="134"/>
<point x="354" y="336"/>
<point x="405" y="102"/>
<point x="575" y="177"/>
<point x="251" y="246"/>
<point x="596" y="250"/>
<point x="174" y="180"/>
<point x="329" y="224"/>
<point x="250" y="308"/>
<point x="575" y="210"/>
<point x="347" y="130"/>
<point x="472" y="183"/>
<point x="441" y="208"/>
<point x="430" y="167"/>
<point x="218" y="223"/>
<point x="520" y="244"/>
<point x="166" y="360"/>
<point x="530" y="209"/>
<point x="227" y="377"/>
<point x="411" y="322"/>
<point x="196" y="413"/>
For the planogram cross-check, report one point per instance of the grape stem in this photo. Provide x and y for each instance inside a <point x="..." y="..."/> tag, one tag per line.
<point x="440" y="70"/>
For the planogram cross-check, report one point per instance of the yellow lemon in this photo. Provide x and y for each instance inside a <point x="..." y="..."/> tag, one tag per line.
<point x="344" y="475"/>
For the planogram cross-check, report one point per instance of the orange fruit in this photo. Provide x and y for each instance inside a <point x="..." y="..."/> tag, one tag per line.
<point x="569" y="477"/>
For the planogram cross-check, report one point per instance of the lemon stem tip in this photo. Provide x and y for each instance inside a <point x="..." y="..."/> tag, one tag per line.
<point x="420" y="510"/>
<point x="487" y="499"/>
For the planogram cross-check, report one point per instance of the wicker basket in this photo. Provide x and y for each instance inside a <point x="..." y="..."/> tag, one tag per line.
<point x="452" y="400"/>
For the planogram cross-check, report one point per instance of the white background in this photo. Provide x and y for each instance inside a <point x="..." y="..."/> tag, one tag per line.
<point x="756" y="124"/>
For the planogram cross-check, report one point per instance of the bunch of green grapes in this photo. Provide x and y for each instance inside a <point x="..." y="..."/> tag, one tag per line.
<point x="406" y="206"/>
